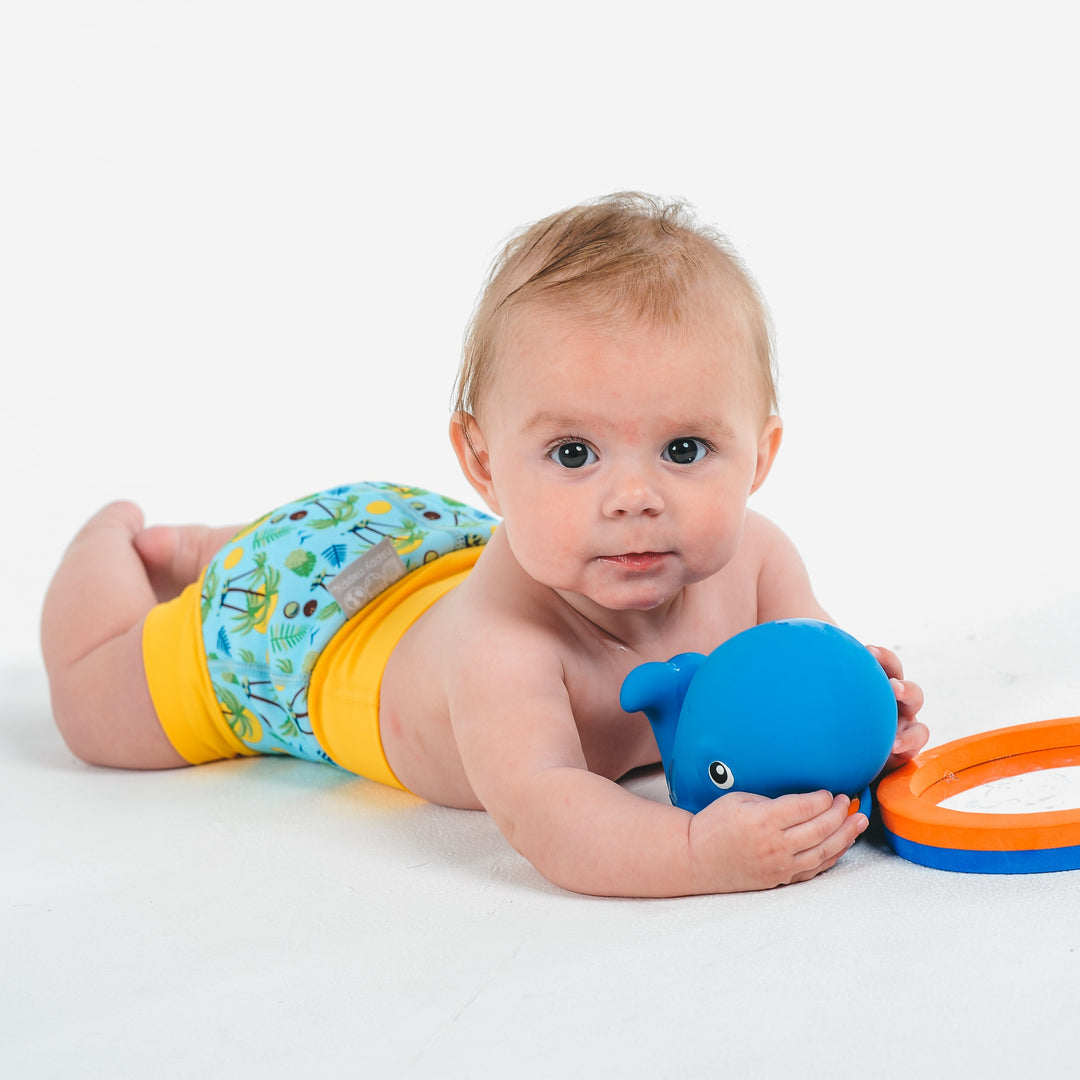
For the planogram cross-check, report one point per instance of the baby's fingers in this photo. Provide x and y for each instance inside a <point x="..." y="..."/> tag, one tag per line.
<point x="889" y="661"/>
<point x="793" y="810"/>
<point x="911" y="737"/>
<point x="909" y="696"/>
<point x="826" y="838"/>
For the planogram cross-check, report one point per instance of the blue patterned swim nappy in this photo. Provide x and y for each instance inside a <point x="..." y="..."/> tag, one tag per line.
<point x="277" y="593"/>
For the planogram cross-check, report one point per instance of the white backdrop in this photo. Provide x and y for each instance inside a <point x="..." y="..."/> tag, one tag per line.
<point x="239" y="242"/>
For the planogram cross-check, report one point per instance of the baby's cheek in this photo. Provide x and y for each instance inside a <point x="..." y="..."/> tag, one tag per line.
<point x="543" y="552"/>
<point x="710" y="555"/>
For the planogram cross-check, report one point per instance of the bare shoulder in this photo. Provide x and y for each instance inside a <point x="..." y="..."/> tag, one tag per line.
<point x="486" y="668"/>
<point x="498" y="639"/>
<point x="764" y="535"/>
<point x="492" y="635"/>
<point x="510" y="709"/>
<point x="783" y="582"/>
<point x="765" y="546"/>
<point x="499" y="608"/>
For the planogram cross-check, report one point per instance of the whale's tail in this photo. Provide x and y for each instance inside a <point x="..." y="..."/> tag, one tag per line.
<point x="658" y="690"/>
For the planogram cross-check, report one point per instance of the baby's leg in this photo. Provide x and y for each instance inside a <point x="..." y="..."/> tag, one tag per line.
<point x="91" y="633"/>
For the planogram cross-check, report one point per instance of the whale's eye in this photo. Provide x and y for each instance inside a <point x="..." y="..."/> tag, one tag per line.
<point x="721" y="775"/>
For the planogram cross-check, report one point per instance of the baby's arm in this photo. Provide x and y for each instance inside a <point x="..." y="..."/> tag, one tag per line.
<point x="784" y="592"/>
<point x="519" y="742"/>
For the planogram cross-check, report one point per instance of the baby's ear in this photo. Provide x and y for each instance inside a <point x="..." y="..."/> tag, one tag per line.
<point x="472" y="454"/>
<point x="768" y="445"/>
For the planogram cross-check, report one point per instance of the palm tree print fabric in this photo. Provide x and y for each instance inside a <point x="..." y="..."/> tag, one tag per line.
<point x="268" y="600"/>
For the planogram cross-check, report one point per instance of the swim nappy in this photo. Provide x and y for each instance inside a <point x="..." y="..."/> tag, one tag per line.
<point x="280" y="646"/>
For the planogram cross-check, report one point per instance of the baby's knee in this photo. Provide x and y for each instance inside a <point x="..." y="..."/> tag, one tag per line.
<point x="102" y="706"/>
<point x="115" y="738"/>
<point x="72" y="714"/>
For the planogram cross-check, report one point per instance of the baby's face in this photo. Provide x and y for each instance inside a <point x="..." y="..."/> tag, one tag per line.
<point x="621" y="456"/>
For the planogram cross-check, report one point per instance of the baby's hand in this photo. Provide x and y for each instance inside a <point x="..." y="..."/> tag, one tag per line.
<point x="744" y="842"/>
<point x="911" y="735"/>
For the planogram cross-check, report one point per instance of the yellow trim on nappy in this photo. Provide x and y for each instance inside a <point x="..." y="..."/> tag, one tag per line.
<point x="179" y="681"/>
<point x="343" y="697"/>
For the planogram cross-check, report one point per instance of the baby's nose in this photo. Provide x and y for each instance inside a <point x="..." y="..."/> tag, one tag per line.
<point x="633" y="493"/>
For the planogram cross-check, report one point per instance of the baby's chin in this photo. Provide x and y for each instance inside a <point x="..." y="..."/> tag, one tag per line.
<point x="617" y="602"/>
<point x="640" y="600"/>
<point x="630" y="593"/>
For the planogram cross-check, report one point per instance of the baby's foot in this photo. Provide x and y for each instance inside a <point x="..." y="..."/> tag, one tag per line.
<point x="123" y="515"/>
<point x="175" y="555"/>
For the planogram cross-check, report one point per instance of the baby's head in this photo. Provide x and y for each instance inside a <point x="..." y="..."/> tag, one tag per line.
<point x="615" y="402"/>
<point x="624" y="258"/>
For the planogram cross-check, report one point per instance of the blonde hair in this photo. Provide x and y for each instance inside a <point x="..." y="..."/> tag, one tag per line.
<point x="629" y="255"/>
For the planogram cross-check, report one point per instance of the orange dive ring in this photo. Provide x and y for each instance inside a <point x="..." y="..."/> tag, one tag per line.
<point x="921" y="830"/>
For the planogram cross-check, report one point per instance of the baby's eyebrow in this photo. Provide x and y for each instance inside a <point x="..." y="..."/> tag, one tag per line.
<point x="559" y="421"/>
<point x="714" y="427"/>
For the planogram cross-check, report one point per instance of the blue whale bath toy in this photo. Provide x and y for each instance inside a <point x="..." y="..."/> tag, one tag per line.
<point x="784" y="707"/>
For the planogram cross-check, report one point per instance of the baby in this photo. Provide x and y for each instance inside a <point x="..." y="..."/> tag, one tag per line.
<point x="615" y="407"/>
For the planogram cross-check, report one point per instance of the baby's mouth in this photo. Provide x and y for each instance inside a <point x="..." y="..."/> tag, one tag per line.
<point x="637" y="560"/>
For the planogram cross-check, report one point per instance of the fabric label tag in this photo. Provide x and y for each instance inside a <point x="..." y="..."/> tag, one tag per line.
<point x="357" y="584"/>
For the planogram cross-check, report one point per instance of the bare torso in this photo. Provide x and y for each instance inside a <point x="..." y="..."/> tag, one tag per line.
<point x="416" y="727"/>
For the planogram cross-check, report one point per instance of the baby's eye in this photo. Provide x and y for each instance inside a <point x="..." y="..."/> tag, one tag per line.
<point x="573" y="455"/>
<point x="684" y="451"/>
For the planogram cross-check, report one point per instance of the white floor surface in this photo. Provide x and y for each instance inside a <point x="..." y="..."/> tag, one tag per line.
<point x="275" y="918"/>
